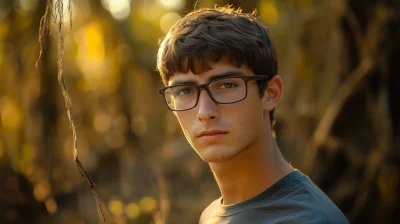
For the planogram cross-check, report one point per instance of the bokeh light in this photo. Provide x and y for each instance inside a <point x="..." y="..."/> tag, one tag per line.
<point x="119" y="9"/>
<point x="172" y="4"/>
<point x="42" y="190"/>
<point x="168" y="20"/>
<point x="51" y="205"/>
<point x="132" y="210"/>
<point x="116" y="206"/>
<point x="28" y="5"/>
<point x="102" y="122"/>
<point x="268" y="11"/>
<point x="10" y="115"/>
<point x="148" y="204"/>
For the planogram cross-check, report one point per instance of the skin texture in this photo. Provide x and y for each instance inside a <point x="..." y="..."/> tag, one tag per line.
<point x="246" y="160"/>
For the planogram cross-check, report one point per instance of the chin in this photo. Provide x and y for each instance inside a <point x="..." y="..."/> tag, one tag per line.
<point x="217" y="153"/>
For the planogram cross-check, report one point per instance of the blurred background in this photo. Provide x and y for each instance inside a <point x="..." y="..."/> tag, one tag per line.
<point x="338" y="123"/>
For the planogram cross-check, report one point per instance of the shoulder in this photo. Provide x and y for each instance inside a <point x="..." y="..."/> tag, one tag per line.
<point x="300" y="200"/>
<point x="210" y="211"/>
<point x="318" y="202"/>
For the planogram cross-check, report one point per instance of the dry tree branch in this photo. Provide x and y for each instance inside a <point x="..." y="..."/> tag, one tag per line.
<point x="356" y="29"/>
<point x="380" y="117"/>
<point x="43" y="34"/>
<point x="325" y="125"/>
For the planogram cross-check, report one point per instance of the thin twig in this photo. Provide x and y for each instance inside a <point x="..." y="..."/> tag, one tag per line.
<point x="59" y="17"/>
<point x="44" y="30"/>
<point x="43" y="34"/>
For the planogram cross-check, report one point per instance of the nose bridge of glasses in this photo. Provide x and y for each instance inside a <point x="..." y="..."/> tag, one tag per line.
<point x="203" y="86"/>
<point x="208" y="91"/>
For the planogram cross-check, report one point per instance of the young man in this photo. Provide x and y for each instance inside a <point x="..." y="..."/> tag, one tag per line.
<point x="220" y="69"/>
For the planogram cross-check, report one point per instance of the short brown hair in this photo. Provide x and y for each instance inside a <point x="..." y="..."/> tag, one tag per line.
<point x="208" y="34"/>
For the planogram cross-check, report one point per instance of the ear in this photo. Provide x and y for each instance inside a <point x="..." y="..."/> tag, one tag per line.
<point x="273" y="93"/>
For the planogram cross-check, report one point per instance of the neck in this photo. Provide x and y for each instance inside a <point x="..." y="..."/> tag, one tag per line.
<point x="251" y="172"/>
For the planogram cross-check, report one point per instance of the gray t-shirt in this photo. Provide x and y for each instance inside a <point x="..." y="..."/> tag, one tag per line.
<point x="293" y="199"/>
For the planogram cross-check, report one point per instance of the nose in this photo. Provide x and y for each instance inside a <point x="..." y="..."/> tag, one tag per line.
<point x="207" y="108"/>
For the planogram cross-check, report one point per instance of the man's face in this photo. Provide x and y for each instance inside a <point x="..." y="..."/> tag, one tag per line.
<point x="241" y="123"/>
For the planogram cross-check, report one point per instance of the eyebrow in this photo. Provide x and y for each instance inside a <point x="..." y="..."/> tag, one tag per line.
<point x="212" y="78"/>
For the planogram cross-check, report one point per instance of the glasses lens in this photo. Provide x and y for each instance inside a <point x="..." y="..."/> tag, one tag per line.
<point x="181" y="97"/>
<point x="228" y="90"/>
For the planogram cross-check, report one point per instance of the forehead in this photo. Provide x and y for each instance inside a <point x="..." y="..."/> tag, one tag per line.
<point x="220" y="68"/>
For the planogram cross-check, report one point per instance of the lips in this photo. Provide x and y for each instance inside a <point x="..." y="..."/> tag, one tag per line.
<point x="211" y="133"/>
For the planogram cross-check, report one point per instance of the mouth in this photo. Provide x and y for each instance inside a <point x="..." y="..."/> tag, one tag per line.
<point x="211" y="135"/>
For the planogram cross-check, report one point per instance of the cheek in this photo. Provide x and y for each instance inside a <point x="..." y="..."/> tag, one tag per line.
<point x="185" y="119"/>
<point x="248" y="118"/>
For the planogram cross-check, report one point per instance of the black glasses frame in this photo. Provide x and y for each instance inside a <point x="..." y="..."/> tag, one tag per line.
<point x="207" y="85"/>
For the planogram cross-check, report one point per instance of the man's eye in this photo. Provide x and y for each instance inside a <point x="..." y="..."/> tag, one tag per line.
<point x="228" y="85"/>
<point x="184" y="91"/>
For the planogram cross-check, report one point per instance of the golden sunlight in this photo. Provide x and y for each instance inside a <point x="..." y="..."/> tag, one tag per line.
<point x="119" y="9"/>
<point x="172" y="4"/>
<point x="168" y="20"/>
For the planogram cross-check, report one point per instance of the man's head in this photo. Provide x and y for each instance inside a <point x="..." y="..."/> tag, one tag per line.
<point x="209" y="42"/>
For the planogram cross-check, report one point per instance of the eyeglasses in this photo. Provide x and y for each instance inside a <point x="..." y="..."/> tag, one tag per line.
<point x="227" y="90"/>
